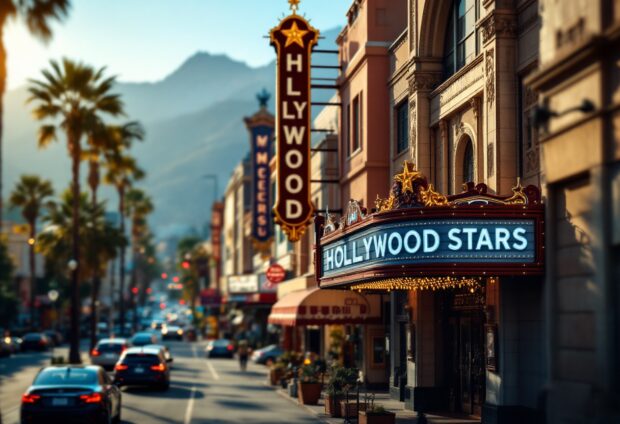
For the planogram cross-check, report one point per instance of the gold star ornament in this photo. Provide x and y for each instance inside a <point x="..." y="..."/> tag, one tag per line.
<point x="294" y="4"/>
<point x="407" y="177"/>
<point x="294" y="35"/>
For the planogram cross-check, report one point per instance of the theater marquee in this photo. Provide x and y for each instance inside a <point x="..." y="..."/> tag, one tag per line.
<point x="293" y="40"/>
<point x="419" y="233"/>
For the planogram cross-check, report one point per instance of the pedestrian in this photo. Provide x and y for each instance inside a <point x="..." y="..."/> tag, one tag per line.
<point x="242" y="352"/>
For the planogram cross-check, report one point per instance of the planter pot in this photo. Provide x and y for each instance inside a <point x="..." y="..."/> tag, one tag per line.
<point x="309" y="393"/>
<point x="376" y="418"/>
<point x="332" y="405"/>
<point x="350" y="409"/>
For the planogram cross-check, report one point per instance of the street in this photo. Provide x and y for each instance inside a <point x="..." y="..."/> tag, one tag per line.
<point x="201" y="391"/>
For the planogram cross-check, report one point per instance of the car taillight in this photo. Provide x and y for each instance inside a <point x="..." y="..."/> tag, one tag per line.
<point x="120" y="367"/>
<point x="26" y="398"/>
<point x="159" y="367"/>
<point x="94" y="352"/>
<point x="42" y="342"/>
<point x="92" y="398"/>
<point x="124" y="348"/>
<point x="230" y="347"/>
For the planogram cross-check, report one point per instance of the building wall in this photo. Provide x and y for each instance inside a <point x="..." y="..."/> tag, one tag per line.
<point x="580" y="158"/>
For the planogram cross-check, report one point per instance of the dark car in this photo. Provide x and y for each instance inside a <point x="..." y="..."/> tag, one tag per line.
<point x="267" y="355"/>
<point x="221" y="348"/>
<point x="172" y="332"/>
<point x="143" y="339"/>
<point x="35" y="341"/>
<point x="54" y="337"/>
<point x="142" y="366"/>
<point x="71" y="394"/>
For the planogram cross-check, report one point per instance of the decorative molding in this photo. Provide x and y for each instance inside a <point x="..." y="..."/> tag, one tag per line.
<point x="474" y="103"/>
<point x="461" y="84"/>
<point x="498" y="26"/>
<point x="412" y="129"/>
<point x="489" y="65"/>
<point x="426" y="81"/>
<point x="490" y="160"/>
<point x="459" y="128"/>
<point x="443" y="131"/>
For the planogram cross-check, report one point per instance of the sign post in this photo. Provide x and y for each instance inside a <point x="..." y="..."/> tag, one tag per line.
<point x="293" y="40"/>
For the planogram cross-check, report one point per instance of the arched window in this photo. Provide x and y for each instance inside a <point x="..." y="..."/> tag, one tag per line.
<point x="468" y="163"/>
<point x="461" y="43"/>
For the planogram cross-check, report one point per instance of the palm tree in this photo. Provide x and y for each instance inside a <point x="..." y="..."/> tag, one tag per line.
<point x="122" y="172"/>
<point x="38" y="15"/>
<point x="105" y="142"/>
<point x="138" y="207"/>
<point x="72" y="96"/>
<point x="99" y="244"/>
<point x="30" y="194"/>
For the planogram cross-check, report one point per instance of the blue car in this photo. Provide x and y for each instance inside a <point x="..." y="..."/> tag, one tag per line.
<point x="267" y="355"/>
<point x="69" y="393"/>
<point x="221" y="348"/>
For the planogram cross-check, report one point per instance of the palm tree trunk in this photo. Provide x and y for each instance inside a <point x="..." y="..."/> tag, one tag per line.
<point x="121" y="298"/>
<point x="94" y="295"/>
<point x="74" y="342"/>
<point x="2" y="90"/>
<point x="33" y="281"/>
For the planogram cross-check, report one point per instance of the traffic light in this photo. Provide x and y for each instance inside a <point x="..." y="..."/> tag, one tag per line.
<point x="134" y="290"/>
<point x="164" y="276"/>
<point x="185" y="264"/>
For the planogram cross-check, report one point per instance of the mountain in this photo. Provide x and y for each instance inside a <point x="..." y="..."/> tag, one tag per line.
<point x="194" y="125"/>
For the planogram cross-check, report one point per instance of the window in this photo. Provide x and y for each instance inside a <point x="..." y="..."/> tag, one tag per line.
<point x="346" y="125"/>
<point x="402" y="126"/>
<point x="461" y="43"/>
<point x="356" y="123"/>
<point x="468" y="163"/>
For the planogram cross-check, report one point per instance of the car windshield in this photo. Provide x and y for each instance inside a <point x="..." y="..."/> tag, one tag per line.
<point x="140" y="358"/>
<point x="110" y="347"/>
<point x="66" y="376"/>
<point x="221" y="343"/>
<point x="32" y="336"/>
<point x="142" y="339"/>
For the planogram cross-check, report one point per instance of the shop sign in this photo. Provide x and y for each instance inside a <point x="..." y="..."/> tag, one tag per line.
<point x="243" y="284"/>
<point x="438" y="241"/>
<point x="293" y="40"/>
<point x="261" y="202"/>
<point x="276" y="273"/>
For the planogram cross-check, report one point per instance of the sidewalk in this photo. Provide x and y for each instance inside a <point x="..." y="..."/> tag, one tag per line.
<point x="403" y="416"/>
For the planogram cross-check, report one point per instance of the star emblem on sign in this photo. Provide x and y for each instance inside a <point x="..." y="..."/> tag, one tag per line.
<point x="294" y="35"/>
<point x="406" y="178"/>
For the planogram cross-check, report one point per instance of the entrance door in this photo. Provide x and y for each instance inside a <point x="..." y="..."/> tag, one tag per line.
<point x="469" y="361"/>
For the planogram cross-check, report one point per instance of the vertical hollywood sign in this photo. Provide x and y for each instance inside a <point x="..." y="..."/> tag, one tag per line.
<point x="261" y="206"/>
<point x="293" y="40"/>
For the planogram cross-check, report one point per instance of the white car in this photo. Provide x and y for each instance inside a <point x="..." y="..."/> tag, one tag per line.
<point x="107" y="352"/>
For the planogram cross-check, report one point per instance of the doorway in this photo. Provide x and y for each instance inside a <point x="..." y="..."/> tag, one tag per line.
<point x="465" y="357"/>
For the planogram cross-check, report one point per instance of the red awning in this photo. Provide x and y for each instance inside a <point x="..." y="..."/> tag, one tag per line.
<point x="318" y="307"/>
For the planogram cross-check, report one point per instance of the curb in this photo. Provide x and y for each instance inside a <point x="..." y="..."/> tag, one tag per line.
<point x="295" y="402"/>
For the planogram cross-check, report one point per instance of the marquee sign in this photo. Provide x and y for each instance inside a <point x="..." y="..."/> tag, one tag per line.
<point x="293" y="40"/>
<point x="260" y="126"/>
<point x="417" y="232"/>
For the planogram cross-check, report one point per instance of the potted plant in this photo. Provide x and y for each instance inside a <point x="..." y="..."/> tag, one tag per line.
<point x="375" y="414"/>
<point x="340" y="379"/>
<point x="309" y="386"/>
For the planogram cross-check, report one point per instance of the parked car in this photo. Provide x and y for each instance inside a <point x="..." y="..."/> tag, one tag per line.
<point x="144" y="338"/>
<point x="54" y="337"/>
<point x="107" y="352"/>
<point x="164" y="350"/>
<point x="221" y="348"/>
<point x="267" y="355"/>
<point x="35" y="341"/>
<point x="141" y="366"/>
<point x="172" y="332"/>
<point x="157" y="324"/>
<point x="68" y="393"/>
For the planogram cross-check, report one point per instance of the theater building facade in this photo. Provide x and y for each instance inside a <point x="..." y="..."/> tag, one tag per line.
<point x="435" y="112"/>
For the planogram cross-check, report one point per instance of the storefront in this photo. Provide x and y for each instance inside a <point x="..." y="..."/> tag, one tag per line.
<point x="463" y="273"/>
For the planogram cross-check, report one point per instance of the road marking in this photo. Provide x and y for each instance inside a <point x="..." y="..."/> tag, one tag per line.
<point x="214" y="373"/>
<point x="190" y="406"/>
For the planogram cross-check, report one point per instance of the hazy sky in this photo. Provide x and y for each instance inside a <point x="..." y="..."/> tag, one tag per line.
<point x="144" y="40"/>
